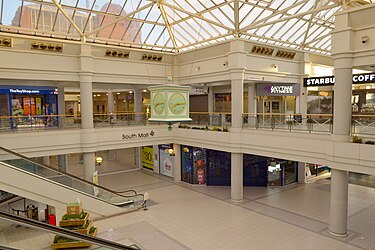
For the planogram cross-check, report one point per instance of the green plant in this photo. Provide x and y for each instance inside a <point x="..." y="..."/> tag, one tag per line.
<point x="183" y="126"/>
<point x="356" y="139"/>
<point x="225" y="129"/>
<point x="370" y="142"/>
<point x="92" y="230"/>
<point x="216" y="129"/>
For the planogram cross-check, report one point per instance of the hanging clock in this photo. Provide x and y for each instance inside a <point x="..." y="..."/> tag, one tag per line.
<point x="177" y="104"/>
<point x="158" y="103"/>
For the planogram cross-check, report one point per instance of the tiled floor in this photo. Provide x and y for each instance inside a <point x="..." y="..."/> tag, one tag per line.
<point x="199" y="217"/>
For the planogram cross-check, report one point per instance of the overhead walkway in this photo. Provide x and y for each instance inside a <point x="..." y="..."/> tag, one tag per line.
<point x="24" y="177"/>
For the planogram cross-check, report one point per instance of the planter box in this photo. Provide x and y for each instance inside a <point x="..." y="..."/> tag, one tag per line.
<point x="84" y="230"/>
<point x="71" y="223"/>
<point x="73" y="244"/>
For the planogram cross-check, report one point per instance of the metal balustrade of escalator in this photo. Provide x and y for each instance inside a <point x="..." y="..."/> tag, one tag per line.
<point x="24" y="233"/>
<point x="128" y="198"/>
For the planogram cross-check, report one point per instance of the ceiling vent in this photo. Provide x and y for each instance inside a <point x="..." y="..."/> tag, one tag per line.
<point x="285" y="54"/>
<point x="56" y="47"/>
<point x="117" y="53"/>
<point x="5" y="42"/>
<point x="149" y="57"/>
<point x="262" y="50"/>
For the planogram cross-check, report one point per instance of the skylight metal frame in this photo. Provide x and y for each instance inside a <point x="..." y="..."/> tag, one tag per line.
<point x="179" y="25"/>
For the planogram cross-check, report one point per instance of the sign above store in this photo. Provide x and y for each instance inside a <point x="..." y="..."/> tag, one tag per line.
<point x="28" y="90"/>
<point x="277" y="89"/>
<point x="330" y="80"/>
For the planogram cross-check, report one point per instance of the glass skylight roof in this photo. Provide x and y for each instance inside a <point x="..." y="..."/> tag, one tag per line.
<point x="177" y="25"/>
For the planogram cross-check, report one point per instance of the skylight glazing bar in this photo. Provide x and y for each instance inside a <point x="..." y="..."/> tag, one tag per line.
<point x="38" y="18"/>
<point x="171" y="35"/>
<point x="73" y="15"/>
<point x="222" y="12"/>
<point x="197" y="16"/>
<point x="89" y="17"/>
<point x="120" y="19"/>
<point x="185" y="29"/>
<point x="140" y="27"/>
<point x="189" y="17"/>
<point x="69" y="19"/>
<point x="152" y="29"/>
<point x="106" y="11"/>
<point x="20" y="18"/>
<point x="1" y="11"/>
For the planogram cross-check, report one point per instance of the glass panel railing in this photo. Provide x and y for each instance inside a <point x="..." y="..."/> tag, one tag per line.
<point x="24" y="233"/>
<point x="130" y="198"/>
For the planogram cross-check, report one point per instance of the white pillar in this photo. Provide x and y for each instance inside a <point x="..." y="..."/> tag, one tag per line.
<point x="301" y="101"/>
<point x="138" y="105"/>
<point x="252" y="104"/>
<point x="301" y="172"/>
<point x="237" y="78"/>
<point x="211" y="100"/>
<point x="342" y="112"/>
<point x="87" y="113"/>
<point x="46" y="160"/>
<point x="61" y="107"/>
<point x="339" y="203"/>
<point x="62" y="163"/>
<point x="89" y="165"/>
<point x="236" y="177"/>
<point x="177" y="163"/>
<point x="110" y="100"/>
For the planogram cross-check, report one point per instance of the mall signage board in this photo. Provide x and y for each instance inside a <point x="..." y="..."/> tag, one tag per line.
<point x="330" y="80"/>
<point x="277" y="89"/>
<point x="28" y="90"/>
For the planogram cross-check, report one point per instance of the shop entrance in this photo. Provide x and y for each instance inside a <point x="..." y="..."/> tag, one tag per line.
<point x="271" y="106"/>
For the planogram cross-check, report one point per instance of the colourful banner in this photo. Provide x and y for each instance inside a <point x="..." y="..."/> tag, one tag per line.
<point x="148" y="158"/>
<point x="38" y="102"/>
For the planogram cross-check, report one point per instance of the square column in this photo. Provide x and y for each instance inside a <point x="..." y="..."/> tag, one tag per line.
<point x="177" y="163"/>
<point x="237" y="78"/>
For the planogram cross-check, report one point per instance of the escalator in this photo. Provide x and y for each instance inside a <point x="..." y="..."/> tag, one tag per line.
<point x="27" y="178"/>
<point x="44" y="233"/>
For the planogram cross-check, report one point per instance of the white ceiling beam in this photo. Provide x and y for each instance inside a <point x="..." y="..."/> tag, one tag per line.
<point x="308" y="27"/>
<point x="165" y="18"/>
<point x="120" y="19"/>
<point x="199" y="16"/>
<point x="251" y="26"/>
<point x="236" y="18"/>
<point x="68" y="17"/>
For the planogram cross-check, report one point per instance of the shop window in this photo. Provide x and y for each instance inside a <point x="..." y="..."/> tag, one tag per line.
<point x="218" y="168"/>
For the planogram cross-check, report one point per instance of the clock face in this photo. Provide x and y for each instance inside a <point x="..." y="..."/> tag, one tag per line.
<point x="177" y="104"/>
<point x="158" y="103"/>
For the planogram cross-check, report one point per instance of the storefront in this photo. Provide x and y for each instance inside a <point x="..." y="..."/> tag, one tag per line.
<point x="265" y="171"/>
<point x="193" y="165"/>
<point x="277" y="97"/>
<point x="148" y="157"/>
<point x="315" y="170"/>
<point x="166" y="160"/>
<point x="30" y="104"/>
<point x="320" y="94"/>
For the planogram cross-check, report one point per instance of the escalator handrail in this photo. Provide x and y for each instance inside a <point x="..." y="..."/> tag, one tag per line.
<point x="61" y="231"/>
<point x="73" y="176"/>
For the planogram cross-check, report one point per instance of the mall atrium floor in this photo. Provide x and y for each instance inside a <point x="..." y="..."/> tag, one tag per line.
<point x="184" y="216"/>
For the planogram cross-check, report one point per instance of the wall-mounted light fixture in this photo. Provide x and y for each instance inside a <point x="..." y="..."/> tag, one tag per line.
<point x="225" y="64"/>
<point x="185" y="149"/>
<point x="274" y="66"/>
<point x="117" y="53"/>
<point x="99" y="160"/>
<point x="47" y="46"/>
<point x="150" y="57"/>
<point x="5" y="42"/>
<point x="197" y="68"/>
<point x="170" y="151"/>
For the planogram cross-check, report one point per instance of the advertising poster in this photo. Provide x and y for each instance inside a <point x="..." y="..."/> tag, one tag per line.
<point x="166" y="163"/>
<point x="17" y="107"/>
<point x="147" y="157"/>
<point x="38" y="102"/>
<point x="32" y="106"/>
<point x="26" y="105"/>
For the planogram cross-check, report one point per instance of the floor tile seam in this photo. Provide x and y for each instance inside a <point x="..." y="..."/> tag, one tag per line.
<point x="155" y="229"/>
<point x="292" y="213"/>
<point x="180" y="184"/>
<point x="319" y="232"/>
<point x="146" y="185"/>
<point x="156" y="175"/>
<point x="289" y="189"/>
<point x="361" y="211"/>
